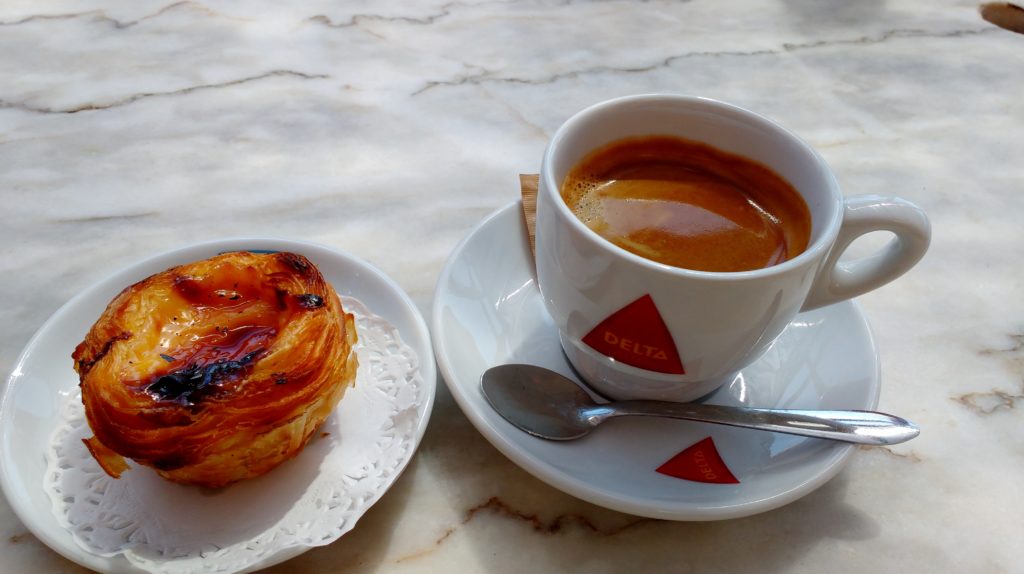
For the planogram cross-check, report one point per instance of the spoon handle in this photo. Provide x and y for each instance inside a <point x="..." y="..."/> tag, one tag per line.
<point x="860" y="427"/>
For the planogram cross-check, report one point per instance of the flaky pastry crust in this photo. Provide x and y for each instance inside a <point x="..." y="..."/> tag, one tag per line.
<point x="218" y="370"/>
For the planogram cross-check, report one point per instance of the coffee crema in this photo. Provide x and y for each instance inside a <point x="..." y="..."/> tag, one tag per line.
<point x="689" y="205"/>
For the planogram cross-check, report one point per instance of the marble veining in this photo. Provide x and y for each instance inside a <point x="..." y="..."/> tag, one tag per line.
<point x="101" y="16"/>
<point x="1012" y="359"/>
<point x="495" y="507"/>
<point x="487" y="76"/>
<point x="139" y="96"/>
<point x="389" y="129"/>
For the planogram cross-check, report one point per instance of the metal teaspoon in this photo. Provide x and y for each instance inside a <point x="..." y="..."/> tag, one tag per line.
<point x="550" y="406"/>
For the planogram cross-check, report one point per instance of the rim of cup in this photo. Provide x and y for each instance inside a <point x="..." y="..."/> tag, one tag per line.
<point x="818" y="246"/>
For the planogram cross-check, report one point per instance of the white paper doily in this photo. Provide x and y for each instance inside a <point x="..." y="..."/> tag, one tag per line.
<point x="311" y="500"/>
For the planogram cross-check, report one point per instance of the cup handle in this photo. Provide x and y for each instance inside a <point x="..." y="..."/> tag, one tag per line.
<point x="837" y="281"/>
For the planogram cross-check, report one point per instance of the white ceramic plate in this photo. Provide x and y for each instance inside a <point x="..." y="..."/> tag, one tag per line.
<point x="488" y="311"/>
<point x="43" y="377"/>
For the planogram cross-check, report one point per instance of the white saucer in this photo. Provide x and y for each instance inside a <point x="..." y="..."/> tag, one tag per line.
<point x="488" y="311"/>
<point x="43" y="378"/>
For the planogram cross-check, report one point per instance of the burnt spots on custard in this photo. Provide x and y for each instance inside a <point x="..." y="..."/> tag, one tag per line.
<point x="206" y="292"/>
<point x="227" y="344"/>
<point x="222" y="355"/>
<point x="189" y="288"/>
<point x="239" y="288"/>
<point x="229" y="314"/>
<point x="304" y="300"/>
<point x="310" y="301"/>
<point x="189" y="385"/>
<point x="296" y="262"/>
<point x="225" y="287"/>
<point x="282" y="298"/>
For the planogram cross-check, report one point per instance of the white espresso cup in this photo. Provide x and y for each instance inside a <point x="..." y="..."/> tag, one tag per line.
<point x="637" y="329"/>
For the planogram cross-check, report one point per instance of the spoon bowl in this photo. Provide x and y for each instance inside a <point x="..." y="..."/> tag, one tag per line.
<point x="539" y="401"/>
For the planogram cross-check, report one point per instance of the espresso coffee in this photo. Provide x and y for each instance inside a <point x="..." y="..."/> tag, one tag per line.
<point x="689" y="205"/>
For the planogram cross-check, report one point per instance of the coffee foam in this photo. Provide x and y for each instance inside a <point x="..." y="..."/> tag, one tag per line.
<point x="583" y="198"/>
<point x="688" y="205"/>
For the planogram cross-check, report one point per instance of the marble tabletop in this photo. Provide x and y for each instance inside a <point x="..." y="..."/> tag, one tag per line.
<point x="389" y="129"/>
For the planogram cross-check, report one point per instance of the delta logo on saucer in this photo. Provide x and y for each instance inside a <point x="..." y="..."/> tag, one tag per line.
<point x="699" y="462"/>
<point x="637" y="335"/>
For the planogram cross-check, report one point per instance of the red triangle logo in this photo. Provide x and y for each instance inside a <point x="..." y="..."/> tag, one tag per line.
<point x="699" y="463"/>
<point x="636" y="335"/>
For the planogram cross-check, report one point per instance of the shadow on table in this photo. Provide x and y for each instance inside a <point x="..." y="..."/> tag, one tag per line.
<point x="510" y="522"/>
<point x="513" y="522"/>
